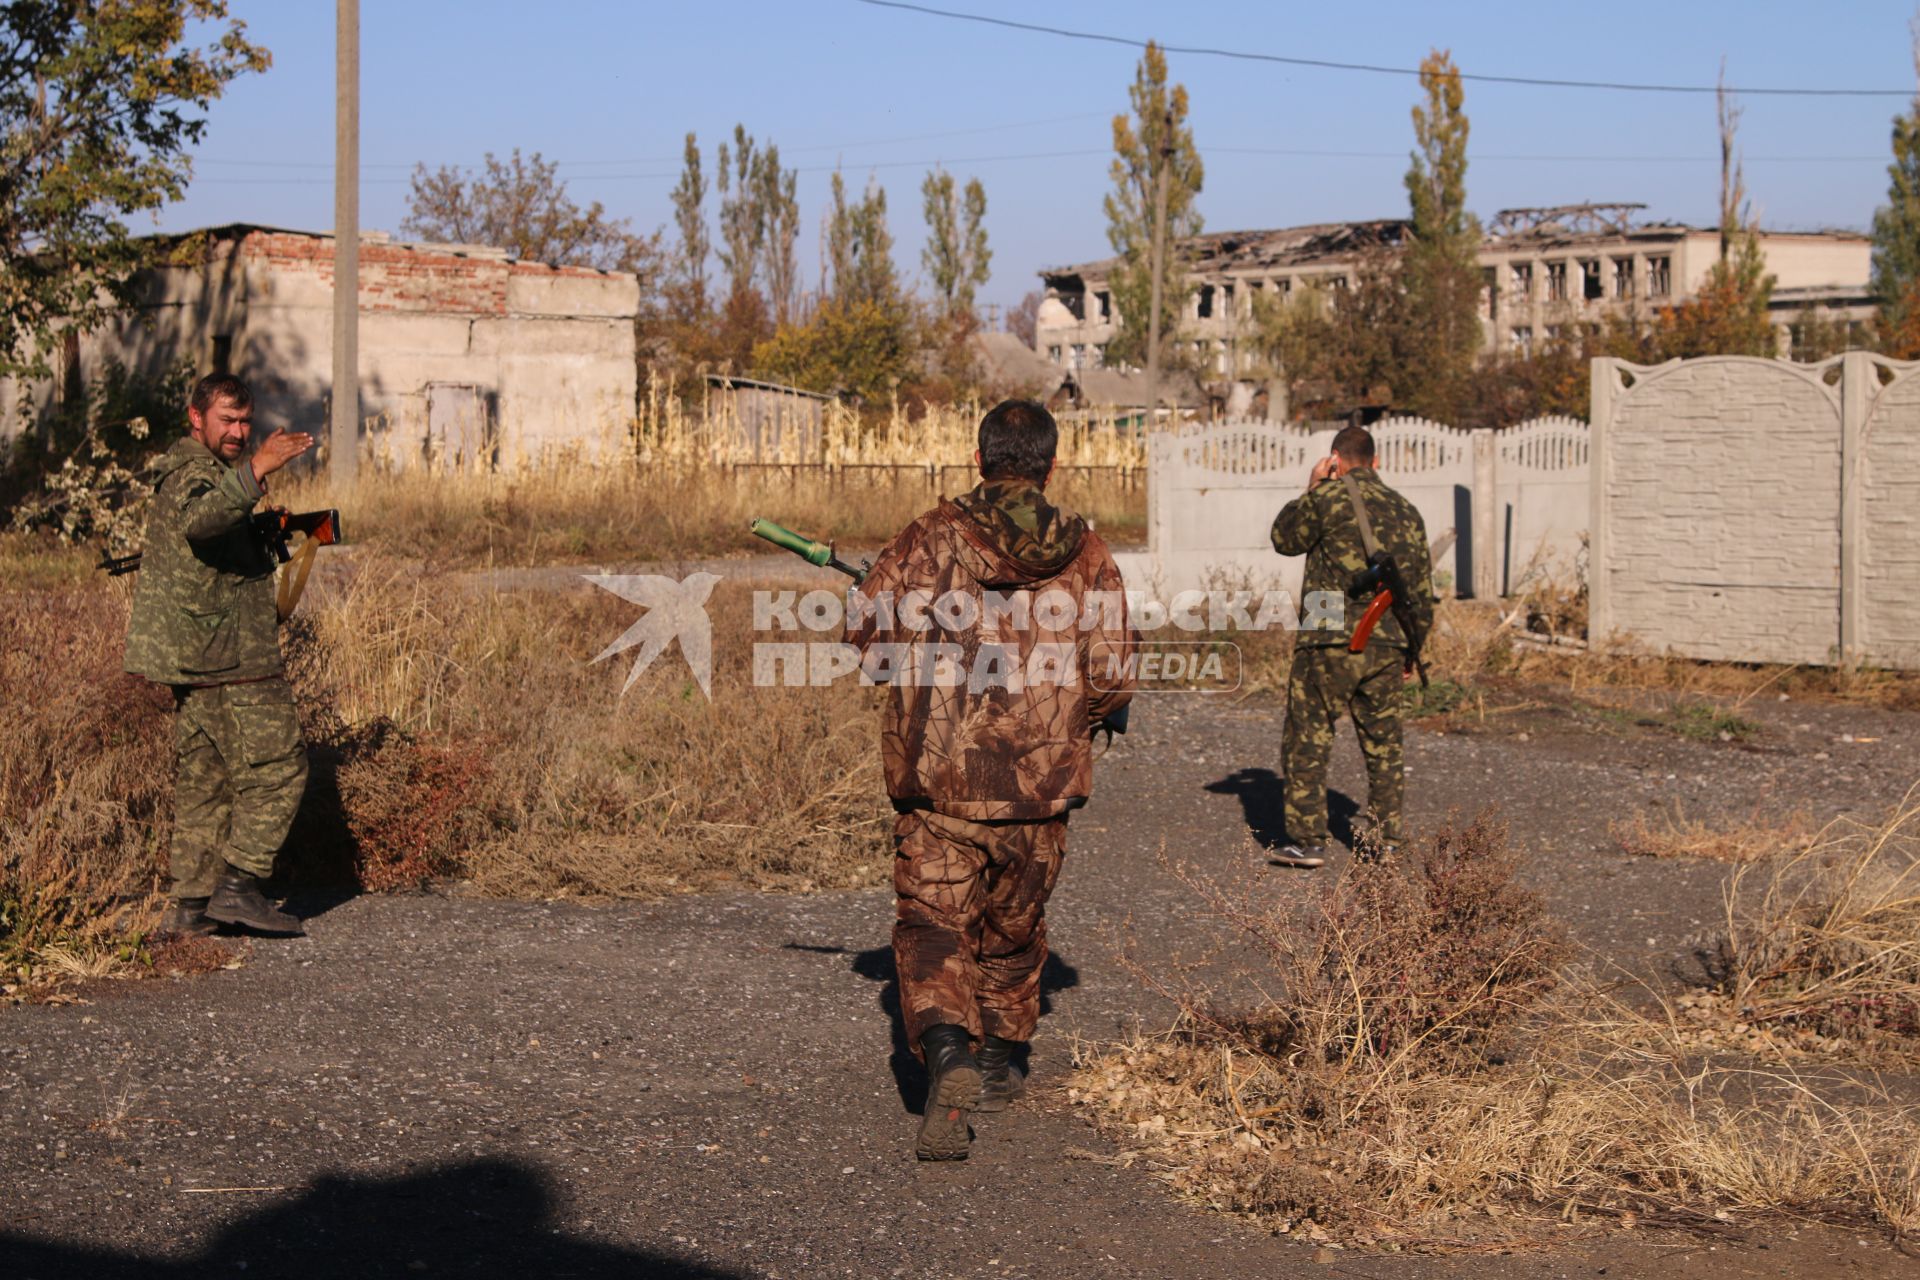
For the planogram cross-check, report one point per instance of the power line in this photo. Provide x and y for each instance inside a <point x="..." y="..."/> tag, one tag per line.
<point x="1329" y="65"/>
<point x="1287" y="152"/>
<point x="409" y="165"/>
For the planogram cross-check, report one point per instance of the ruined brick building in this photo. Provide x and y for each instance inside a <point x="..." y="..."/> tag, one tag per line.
<point x="468" y="356"/>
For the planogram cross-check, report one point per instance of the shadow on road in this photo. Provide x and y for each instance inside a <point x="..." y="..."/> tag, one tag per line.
<point x="909" y="1076"/>
<point x="1262" y="798"/>
<point x="482" y="1217"/>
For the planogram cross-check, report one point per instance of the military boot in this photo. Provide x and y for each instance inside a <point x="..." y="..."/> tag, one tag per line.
<point x="1000" y="1081"/>
<point x="237" y="900"/>
<point x="185" y="918"/>
<point x="953" y="1088"/>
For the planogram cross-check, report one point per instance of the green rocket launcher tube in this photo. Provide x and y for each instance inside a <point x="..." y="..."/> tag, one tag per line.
<point x="820" y="553"/>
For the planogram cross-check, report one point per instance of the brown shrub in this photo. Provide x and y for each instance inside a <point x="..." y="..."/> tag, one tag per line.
<point x="1421" y="1072"/>
<point x="86" y="768"/>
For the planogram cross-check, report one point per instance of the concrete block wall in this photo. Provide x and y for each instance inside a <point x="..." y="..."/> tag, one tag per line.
<point x="1756" y="510"/>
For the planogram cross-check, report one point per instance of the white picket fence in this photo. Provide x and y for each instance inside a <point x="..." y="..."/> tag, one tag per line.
<point x="1513" y="501"/>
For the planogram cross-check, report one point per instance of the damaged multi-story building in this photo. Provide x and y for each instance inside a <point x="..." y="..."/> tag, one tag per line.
<point x="469" y="357"/>
<point x="1542" y="270"/>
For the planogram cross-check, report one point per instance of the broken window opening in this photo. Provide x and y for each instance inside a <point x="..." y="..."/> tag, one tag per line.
<point x="1206" y="302"/>
<point x="1075" y="302"/>
<point x="1522" y="280"/>
<point x="1104" y="301"/>
<point x="1623" y="277"/>
<point x="1490" y="289"/>
<point x="1053" y="353"/>
<point x="1659" y="276"/>
<point x="1592" y="287"/>
<point x="1556" y="282"/>
<point x="1522" y="339"/>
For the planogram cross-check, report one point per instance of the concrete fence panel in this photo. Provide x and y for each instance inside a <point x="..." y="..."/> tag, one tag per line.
<point x="1541" y="494"/>
<point x="1716" y="502"/>
<point x="1881" y="517"/>
<point x="1433" y="467"/>
<point x="1212" y="494"/>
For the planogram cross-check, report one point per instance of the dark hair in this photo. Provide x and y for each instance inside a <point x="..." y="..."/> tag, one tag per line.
<point x="219" y="386"/>
<point x="1355" y="444"/>
<point x="1017" y="438"/>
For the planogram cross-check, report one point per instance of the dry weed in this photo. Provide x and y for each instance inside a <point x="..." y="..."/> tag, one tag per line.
<point x="1410" y="1083"/>
<point x="473" y="734"/>
<point x="85" y="780"/>
<point x="1829" y="937"/>
<point x="1674" y="835"/>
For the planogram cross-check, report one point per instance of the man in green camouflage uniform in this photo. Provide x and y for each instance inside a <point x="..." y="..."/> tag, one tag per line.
<point x="983" y="769"/>
<point x="205" y="623"/>
<point x="1327" y="680"/>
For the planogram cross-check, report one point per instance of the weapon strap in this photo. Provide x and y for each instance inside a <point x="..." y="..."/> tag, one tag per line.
<point x="293" y="578"/>
<point x="1360" y="516"/>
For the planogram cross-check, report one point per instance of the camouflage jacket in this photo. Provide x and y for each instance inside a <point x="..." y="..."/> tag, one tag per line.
<point x="999" y="621"/>
<point x="203" y="606"/>
<point x="1320" y="525"/>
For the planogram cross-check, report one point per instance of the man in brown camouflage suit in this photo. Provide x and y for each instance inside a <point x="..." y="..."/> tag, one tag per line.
<point x="204" y="623"/>
<point x="1327" y="680"/>
<point x="1000" y="622"/>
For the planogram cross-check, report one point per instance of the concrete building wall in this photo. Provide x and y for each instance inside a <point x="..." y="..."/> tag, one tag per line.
<point x="1538" y="284"/>
<point x="545" y="354"/>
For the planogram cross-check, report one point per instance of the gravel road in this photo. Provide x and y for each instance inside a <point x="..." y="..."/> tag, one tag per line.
<point x="712" y="1086"/>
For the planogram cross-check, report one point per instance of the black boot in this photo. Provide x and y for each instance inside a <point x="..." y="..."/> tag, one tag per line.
<point x="237" y="900"/>
<point x="953" y="1087"/>
<point x="1000" y="1081"/>
<point x="185" y="918"/>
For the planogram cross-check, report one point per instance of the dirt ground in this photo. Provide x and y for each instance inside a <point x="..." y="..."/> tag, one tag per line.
<point x="713" y="1086"/>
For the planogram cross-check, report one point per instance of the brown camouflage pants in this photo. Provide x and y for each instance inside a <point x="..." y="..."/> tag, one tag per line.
<point x="971" y="932"/>
<point x="1324" y="685"/>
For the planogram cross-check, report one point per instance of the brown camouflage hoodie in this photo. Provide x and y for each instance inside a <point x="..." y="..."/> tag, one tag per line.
<point x="999" y="621"/>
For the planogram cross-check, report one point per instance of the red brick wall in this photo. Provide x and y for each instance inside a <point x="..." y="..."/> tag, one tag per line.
<point x="393" y="278"/>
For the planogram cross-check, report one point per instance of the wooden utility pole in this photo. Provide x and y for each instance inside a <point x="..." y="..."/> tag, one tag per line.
<point x="1157" y="259"/>
<point x="343" y="440"/>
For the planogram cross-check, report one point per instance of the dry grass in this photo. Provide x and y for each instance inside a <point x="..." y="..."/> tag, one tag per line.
<point x="686" y="485"/>
<point x="452" y="732"/>
<point x="1420" y="1072"/>
<point x="1828" y="937"/>
<point x="1674" y="835"/>
<point x="471" y="727"/>
<point x="85" y="780"/>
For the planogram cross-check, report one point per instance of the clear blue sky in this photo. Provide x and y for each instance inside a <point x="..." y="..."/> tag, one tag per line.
<point x="610" y="89"/>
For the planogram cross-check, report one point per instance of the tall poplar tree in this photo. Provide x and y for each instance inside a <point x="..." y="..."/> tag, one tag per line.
<point x="1896" y="235"/>
<point x="1154" y="141"/>
<point x="956" y="254"/>
<point x="1441" y="333"/>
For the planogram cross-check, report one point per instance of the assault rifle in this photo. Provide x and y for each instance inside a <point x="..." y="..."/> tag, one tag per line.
<point x="1382" y="579"/>
<point x="274" y="528"/>
<point x="822" y="554"/>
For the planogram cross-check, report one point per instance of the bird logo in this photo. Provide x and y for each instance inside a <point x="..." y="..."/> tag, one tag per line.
<point x="674" y="610"/>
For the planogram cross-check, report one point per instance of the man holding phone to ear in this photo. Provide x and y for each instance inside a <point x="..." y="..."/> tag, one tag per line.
<point x="1347" y="513"/>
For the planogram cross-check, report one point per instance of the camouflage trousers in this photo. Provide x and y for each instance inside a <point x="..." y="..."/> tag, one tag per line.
<point x="970" y="936"/>
<point x="241" y="774"/>
<point x="1325" y="684"/>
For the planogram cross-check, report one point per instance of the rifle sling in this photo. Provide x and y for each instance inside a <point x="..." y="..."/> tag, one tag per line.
<point x="1367" y="541"/>
<point x="293" y="578"/>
